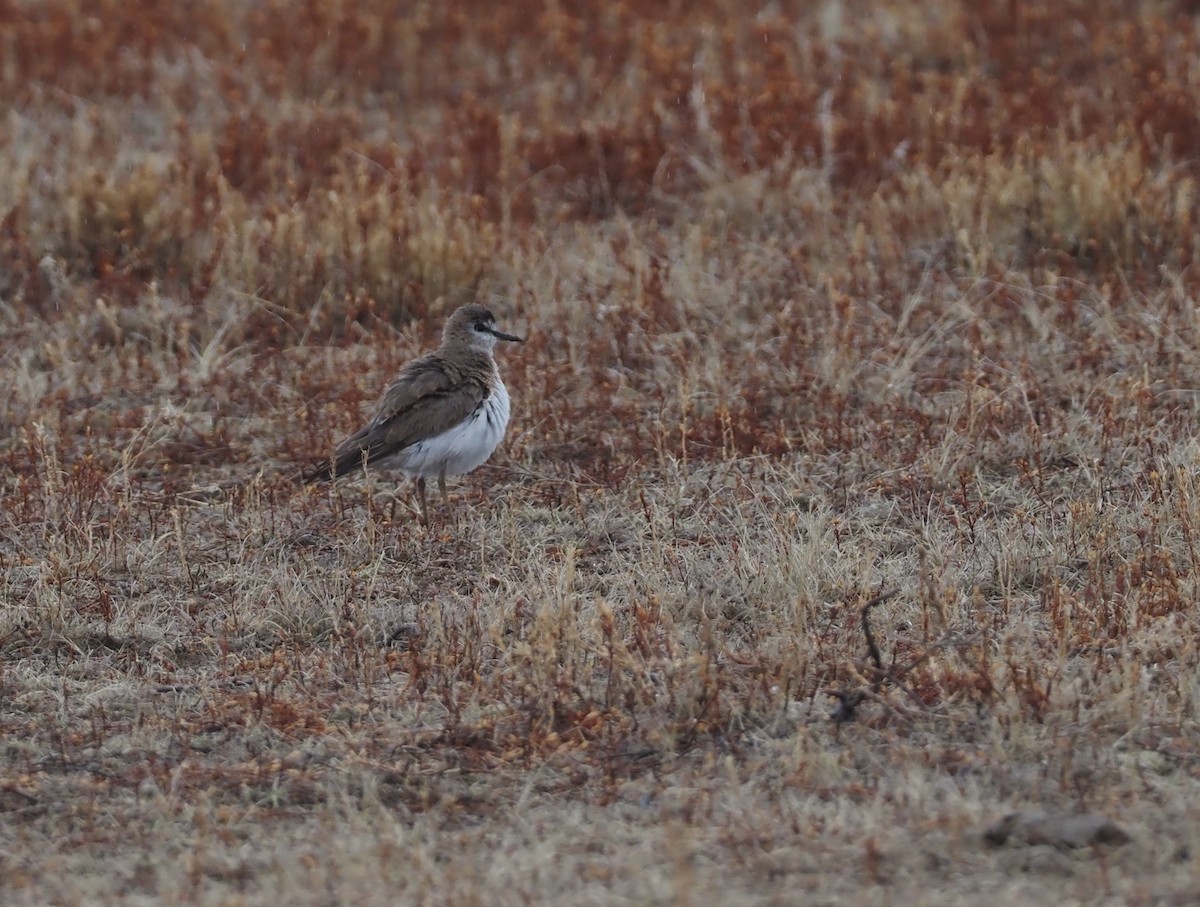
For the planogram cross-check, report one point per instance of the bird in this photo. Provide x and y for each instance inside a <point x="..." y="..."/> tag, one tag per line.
<point x="443" y="415"/>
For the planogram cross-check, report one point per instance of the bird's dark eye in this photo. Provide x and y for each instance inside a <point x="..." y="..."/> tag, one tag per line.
<point x="481" y="326"/>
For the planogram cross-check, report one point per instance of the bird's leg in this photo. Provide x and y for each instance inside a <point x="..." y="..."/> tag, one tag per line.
<point x="421" y="500"/>
<point x="442" y="489"/>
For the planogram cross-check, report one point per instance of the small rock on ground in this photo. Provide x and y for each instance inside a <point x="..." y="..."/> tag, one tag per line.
<point x="1032" y="827"/>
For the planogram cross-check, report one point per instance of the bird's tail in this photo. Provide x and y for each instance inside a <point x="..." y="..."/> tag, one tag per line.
<point x="320" y="471"/>
<point x="341" y="463"/>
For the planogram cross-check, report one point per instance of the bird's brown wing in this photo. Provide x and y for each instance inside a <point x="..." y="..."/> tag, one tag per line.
<point x="428" y="397"/>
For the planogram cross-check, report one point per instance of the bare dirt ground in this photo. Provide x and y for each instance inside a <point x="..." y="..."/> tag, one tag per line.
<point x="823" y="301"/>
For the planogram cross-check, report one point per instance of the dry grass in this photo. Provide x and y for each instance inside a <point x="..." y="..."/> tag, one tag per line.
<point x="822" y="299"/>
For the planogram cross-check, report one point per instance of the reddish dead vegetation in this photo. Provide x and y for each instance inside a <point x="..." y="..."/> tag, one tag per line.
<point x="445" y="146"/>
<point x="355" y="100"/>
<point x="752" y="90"/>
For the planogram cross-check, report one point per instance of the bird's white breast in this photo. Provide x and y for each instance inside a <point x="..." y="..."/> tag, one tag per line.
<point x="464" y="447"/>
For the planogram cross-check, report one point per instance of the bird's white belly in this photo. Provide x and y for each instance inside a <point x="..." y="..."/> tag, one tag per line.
<point x="462" y="448"/>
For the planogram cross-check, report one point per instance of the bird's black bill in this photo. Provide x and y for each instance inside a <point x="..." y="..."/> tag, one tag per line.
<point x="504" y="336"/>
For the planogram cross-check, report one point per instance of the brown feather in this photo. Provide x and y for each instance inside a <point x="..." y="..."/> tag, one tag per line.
<point x="429" y="396"/>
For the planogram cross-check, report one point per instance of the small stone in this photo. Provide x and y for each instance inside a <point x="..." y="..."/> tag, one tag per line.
<point x="1032" y="827"/>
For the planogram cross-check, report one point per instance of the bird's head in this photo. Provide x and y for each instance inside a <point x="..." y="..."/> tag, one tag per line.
<point x="473" y="327"/>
